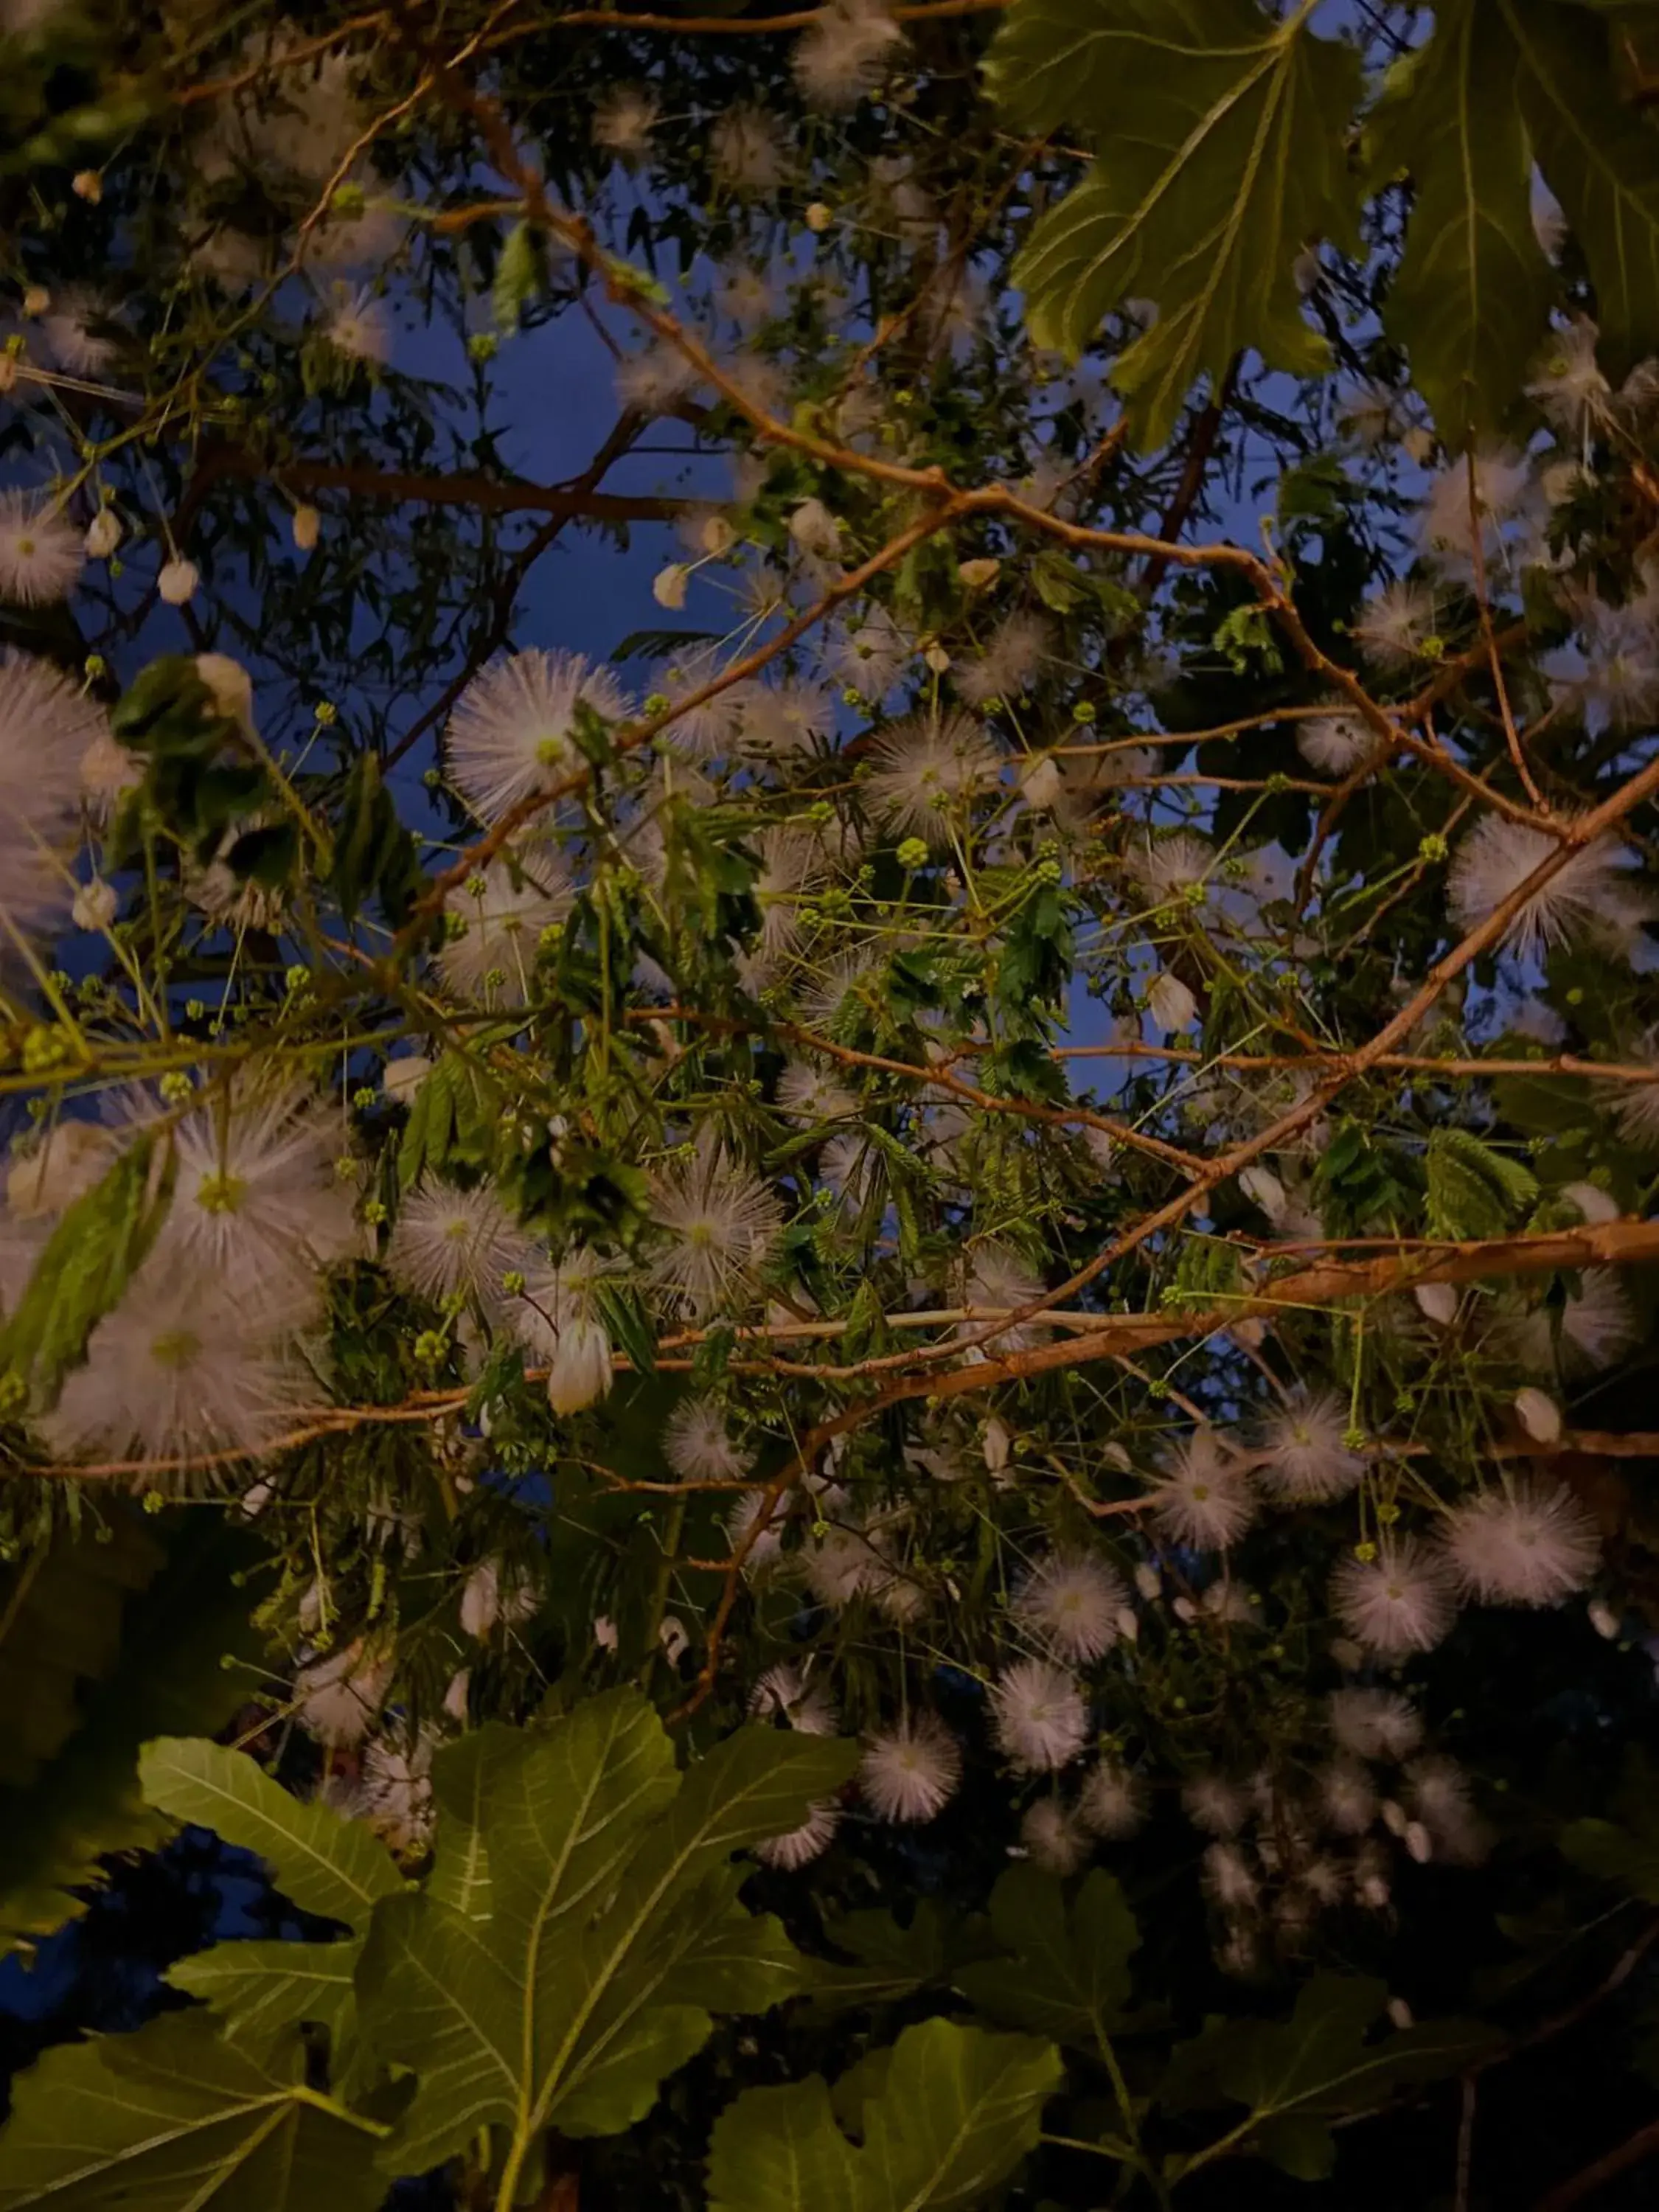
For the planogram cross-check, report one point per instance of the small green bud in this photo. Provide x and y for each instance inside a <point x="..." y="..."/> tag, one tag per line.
<point x="913" y="853"/>
<point x="1083" y="713"/>
<point x="1432" y="849"/>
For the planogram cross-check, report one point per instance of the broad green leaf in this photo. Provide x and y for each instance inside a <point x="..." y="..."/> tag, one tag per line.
<point x="258" y="1989"/>
<point x="1625" y="1852"/>
<point x="92" y="1663"/>
<point x="1219" y="134"/>
<point x="173" y="2120"/>
<point x="612" y="1929"/>
<point x="1299" y="2075"/>
<point x="1066" y="1975"/>
<point x="1470" y="302"/>
<point x="1474" y="1191"/>
<point x="462" y="1773"/>
<point x="326" y="1864"/>
<point x="1601" y="160"/>
<point x="892" y="1962"/>
<point x="88" y="1261"/>
<point x="956" y="2110"/>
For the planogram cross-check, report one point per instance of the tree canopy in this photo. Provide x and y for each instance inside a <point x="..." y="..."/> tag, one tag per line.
<point x="865" y="1367"/>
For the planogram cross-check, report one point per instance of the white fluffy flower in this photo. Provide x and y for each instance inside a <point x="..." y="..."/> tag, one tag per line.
<point x="844" y="53"/>
<point x="494" y="957"/>
<point x="1393" y="628"/>
<point x="512" y="734"/>
<point x="1347" y="1797"/>
<point x="1573" y="394"/>
<point x="1228" y="1878"/>
<point x="1591" y="895"/>
<point x="873" y="657"/>
<point x="1402" y="1601"/>
<point x="743" y="1518"/>
<point x="718" y="1224"/>
<point x="746" y="152"/>
<point x="700" y="1447"/>
<point x="337" y="1699"/>
<point x="1013" y="657"/>
<point x="176" y="1372"/>
<point x="655" y="380"/>
<point x="359" y="326"/>
<point x="257" y="1201"/>
<point x="782" y="1693"/>
<point x="451" y="1242"/>
<point x="806" y="1094"/>
<point x="1334" y="744"/>
<point x="41" y="555"/>
<point x="1302" y="1455"/>
<point x="785" y="718"/>
<point x="1375" y="1723"/>
<point x="1175" y="867"/>
<point x="624" y="121"/>
<point x="1493" y="491"/>
<point x="926" y="767"/>
<point x="1072" y="1603"/>
<point x="800" y="1846"/>
<point x="1596" y="1324"/>
<point x="1530" y="1544"/>
<point x="176" y="582"/>
<point x="1038" y="1717"/>
<point x="910" y="1773"/>
<point x="1055" y="1839"/>
<point x="1205" y="1499"/>
<point x="1440" y="1796"/>
<point x="1113" y="1802"/>
<point x="58" y="1169"/>
<point x="397" y="1788"/>
<point x="1214" y="1805"/>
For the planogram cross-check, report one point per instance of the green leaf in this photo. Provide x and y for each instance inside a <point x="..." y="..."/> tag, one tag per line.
<point x="1299" y="2075"/>
<point x="257" y="1990"/>
<point x="613" y="1925"/>
<point x="1066" y="1975"/>
<point x="1220" y="137"/>
<point x="326" y="1865"/>
<point x="947" y="2120"/>
<point x="173" y="2120"/>
<point x="462" y="1775"/>
<point x="1599" y="160"/>
<point x="1625" y="1852"/>
<point x="1470" y="302"/>
<point x="1473" y="1190"/>
<point x="89" y="1259"/>
<point x="92" y="1663"/>
<point x="517" y="276"/>
<point x="891" y="1962"/>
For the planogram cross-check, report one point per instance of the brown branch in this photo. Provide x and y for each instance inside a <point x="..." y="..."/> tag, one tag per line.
<point x="621" y="436"/>
<point x="306" y="50"/>
<point x="571" y="502"/>
<point x="1644" y="2144"/>
<point x="1205" y="431"/>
